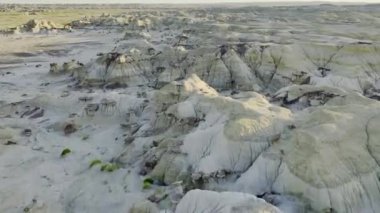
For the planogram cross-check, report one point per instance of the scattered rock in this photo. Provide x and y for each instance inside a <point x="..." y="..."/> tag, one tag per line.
<point x="27" y="132"/>
<point x="40" y="113"/>
<point x="144" y="207"/>
<point x="65" y="94"/>
<point x="10" y="143"/>
<point x="74" y="68"/>
<point x="70" y="128"/>
<point x="86" y="98"/>
<point x="129" y="140"/>
<point x="91" y="109"/>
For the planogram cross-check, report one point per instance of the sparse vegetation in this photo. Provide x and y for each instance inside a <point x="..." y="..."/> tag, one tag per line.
<point x="276" y="60"/>
<point x="95" y="162"/>
<point x="326" y="55"/>
<point x="65" y="152"/>
<point x="109" y="167"/>
<point x="13" y="18"/>
<point x="147" y="183"/>
<point x="255" y="59"/>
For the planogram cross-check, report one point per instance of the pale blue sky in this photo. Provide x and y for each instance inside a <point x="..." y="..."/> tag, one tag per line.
<point x="164" y="1"/>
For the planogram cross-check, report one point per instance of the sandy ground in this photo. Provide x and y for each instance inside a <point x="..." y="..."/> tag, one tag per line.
<point x="33" y="175"/>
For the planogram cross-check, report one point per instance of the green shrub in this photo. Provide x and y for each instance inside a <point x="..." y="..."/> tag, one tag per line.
<point x="95" y="162"/>
<point x="65" y="152"/>
<point x="147" y="186"/>
<point x="147" y="183"/>
<point x="109" y="167"/>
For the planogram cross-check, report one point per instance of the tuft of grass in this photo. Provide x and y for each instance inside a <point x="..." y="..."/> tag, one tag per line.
<point x="147" y="186"/>
<point x="95" y="162"/>
<point x="85" y="137"/>
<point x="65" y="152"/>
<point x="109" y="167"/>
<point x="147" y="183"/>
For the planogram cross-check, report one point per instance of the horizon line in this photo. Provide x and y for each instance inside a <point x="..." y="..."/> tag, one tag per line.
<point x="201" y="3"/>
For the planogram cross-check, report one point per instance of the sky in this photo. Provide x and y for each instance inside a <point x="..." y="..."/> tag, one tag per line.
<point x="164" y="1"/>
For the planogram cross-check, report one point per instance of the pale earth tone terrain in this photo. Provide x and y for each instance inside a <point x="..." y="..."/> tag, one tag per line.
<point x="192" y="109"/>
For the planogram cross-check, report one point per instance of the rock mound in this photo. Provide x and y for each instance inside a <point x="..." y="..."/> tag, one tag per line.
<point x="226" y="202"/>
<point x="326" y="155"/>
<point x="37" y="26"/>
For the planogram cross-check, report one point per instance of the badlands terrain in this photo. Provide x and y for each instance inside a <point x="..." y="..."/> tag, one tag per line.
<point x="187" y="109"/>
